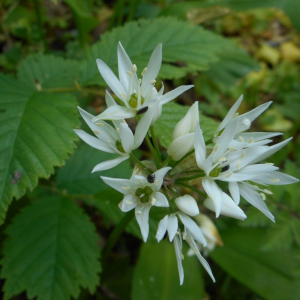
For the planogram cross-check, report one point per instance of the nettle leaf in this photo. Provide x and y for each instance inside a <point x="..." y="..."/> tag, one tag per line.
<point x="36" y="133"/>
<point x="76" y="176"/>
<point x="51" y="251"/>
<point x="156" y="275"/>
<point x="172" y="114"/>
<point x="186" y="48"/>
<point x="271" y="275"/>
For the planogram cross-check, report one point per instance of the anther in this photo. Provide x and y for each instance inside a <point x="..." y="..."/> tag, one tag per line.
<point x="96" y="131"/>
<point x="251" y="141"/>
<point x="125" y="187"/>
<point x="216" y="147"/>
<point x="129" y="73"/>
<point x="235" y="115"/>
<point x="222" y="159"/>
<point x="239" y="165"/>
<point x="144" y="72"/>
<point x="100" y="124"/>
<point x="241" y="139"/>
<point x="138" y="212"/>
<point x="152" y="81"/>
<point x="267" y="192"/>
<point x="134" y="68"/>
<point x="129" y="202"/>
<point x="153" y="201"/>
<point x="274" y="180"/>
<point x="246" y="122"/>
<point x="243" y="154"/>
<point x="263" y="196"/>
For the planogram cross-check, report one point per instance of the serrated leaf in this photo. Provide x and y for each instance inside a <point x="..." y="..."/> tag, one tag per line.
<point x="172" y="114"/>
<point x="186" y="48"/>
<point x="279" y="236"/>
<point x="51" y="251"/>
<point x="48" y="70"/>
<point x="156" y="275"/>
<point x="76" y="176"/>
<point x="271" y="274"/>
<point x="36" y="135"/>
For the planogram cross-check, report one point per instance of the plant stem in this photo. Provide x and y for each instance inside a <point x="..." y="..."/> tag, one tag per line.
<point x="192" y="188"/>
<point x="154" y="139"/>
<point x="40" y="23"/>
<point x="114" y="236"/>
<point x="180" y="160"/>
<point x="166" y="161"/>
<point x="153" y="152"/>
<point x="190" y="178"/>
<point x="140" y="163"/>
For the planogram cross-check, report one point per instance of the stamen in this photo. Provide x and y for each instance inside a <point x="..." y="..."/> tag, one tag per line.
<point x="144" y="72"/>
<point x="263" y="196"/>
<point x="134" y="68"/>
<point x="246" y="122"/>
<point x="125" y="187"/>
<point x="123" y="96"/>
<point x="153" y="201"/>
<point x="228" y="175"/>
<point x="251" y="141"/>
<point x="231" y="149"/>
<point x="100" y="124"/>
<point x="152" y="81"/>
<point x="138" y="212"/>
<point x="129" y="73"/>
<point x="267" y="192"/>
<point x="96" y="131"/>
<point x="235" y="115"/>
<point x="269" y="164"/>
<point x="239" y="165"/>
<point x="140" y="80"/>
<point x="117" y="129"/>
<point x="222" y="159"/>
<point x="182" y="256"/>
<point x="241" y="139"/>
<point x="129" y="202"/>
<point x="274" y="180"/>
<point x="216" y="147"/>
<point x="255" y="187"/>
<point x="243" y="154"/>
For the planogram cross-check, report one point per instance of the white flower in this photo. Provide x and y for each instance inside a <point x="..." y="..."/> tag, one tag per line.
<point x="188" y="205"/>
<point x="141" y="195"/>
<point x="191" y="234"/>
<point x="237" y="166"/>
<point x="184" y="134"/>
<point x="119" y="140"/>
<point x="134" y="94"/>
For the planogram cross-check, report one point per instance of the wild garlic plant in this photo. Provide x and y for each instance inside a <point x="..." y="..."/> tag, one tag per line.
<point x="232" y="155"/>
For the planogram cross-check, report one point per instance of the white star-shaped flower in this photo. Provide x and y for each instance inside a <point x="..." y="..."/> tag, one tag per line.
<point x="135" y="94"/>
<point x="140" y="193"/>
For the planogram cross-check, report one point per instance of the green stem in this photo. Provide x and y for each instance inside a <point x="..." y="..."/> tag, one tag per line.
<point x="166" y="161"/>
<point x="192" y="188"/>
<point x="40" y="22"/>
<point x="153" y="152"/>
<point x="180" y="160"/>
<point x="140" y="163"/>
<point x="190" y="178"/>
<point x="115" y="235"/>
<point x="154" y="139"/>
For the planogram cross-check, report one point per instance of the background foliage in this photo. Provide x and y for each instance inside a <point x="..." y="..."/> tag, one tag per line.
<point x="51" y="238"/>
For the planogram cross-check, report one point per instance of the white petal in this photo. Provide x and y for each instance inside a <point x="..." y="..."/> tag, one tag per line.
<point x="152" y="68"/>
<point x="162" y="228"/>
<point x="173" y="94"/>
<point x="214" y="193"/>
<point x="115" y="112"/>
<point x="254" y="198"/>
<point x="109" y="164"/>
<point x="94" y="142"/>
<point x="178" y="252"/>
<point x="142" y="217"/>
<point x="123" y="186"/>
<point x="200" y="148"/>
<point x="230" y="114"/>
<point x="110" y="78"/>
<point x="159" y="177"/>
<point x="254" y="113"/>
<point x="143" y="126"/>
<point x="188" y="205"/>
<point x="181" y="146"/>
<point x="234" y="191"/>
<point x="110" y="101"/>
<point x="271" y="150"/>
<point x="128" y="203"/>
<point x="193" y="228"/>
<point x="124" y="65"/>
<point x="276" y="178"/>
<point x="258" y="136"/>
<point x="172" y="227"/>
<point x="127" y="137"/>
<point x="229" y="207"/>
<point x="161" y="200"/>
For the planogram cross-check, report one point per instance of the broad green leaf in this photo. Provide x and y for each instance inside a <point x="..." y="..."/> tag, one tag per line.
<point x="49" y="71"/>
<point x="51" y="251"/>
<point x="290" y="7"/>
<point x="76" y="176"/>
<point x="186" y="48"/>
<point x="172" y="114"/>
<point x="156" y="275"/>
<point x="36" y="135"/>
<point x="271" y="275"/>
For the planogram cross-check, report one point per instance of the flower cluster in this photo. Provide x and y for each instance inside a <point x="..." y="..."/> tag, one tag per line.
<point x="231" y="155"/>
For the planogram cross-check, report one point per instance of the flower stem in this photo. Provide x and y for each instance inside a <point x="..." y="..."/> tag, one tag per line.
<point x="154" y="139"/>
<point x="180" y="160"/>
<point x="114" y="237"/>
<point x="39" y="20"/>
<point x="199" y="175"/>
<point x="140" y="163"/>
<point x="166" y="161"/>
<point x="152" y="151"/>
<point x="192" y="188"/>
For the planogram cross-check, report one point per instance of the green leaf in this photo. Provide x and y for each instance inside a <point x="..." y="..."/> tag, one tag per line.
<point x="254" y="218"/>
<point x="156" y="275"/>
<point x="36" y="135"/>
<point x="50" y="71"/>
<point x="172" y="114"/>
<point x="76" y="176"/>
<point x="186" y="48"/>
<point x="51" y="251"/>
<point x="271" y="275"/>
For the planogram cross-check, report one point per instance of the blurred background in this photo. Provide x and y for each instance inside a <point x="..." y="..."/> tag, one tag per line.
<point x="258" y="259"/>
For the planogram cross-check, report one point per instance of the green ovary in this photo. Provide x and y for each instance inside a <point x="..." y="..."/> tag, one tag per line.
<point x="215" y="172"/>
<point x="144" y="194"/>
<point x="120" y="147"/>
<point x="133" y="101"/>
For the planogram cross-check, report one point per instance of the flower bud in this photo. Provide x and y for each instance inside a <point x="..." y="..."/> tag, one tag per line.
<point x="188" y="205"/>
